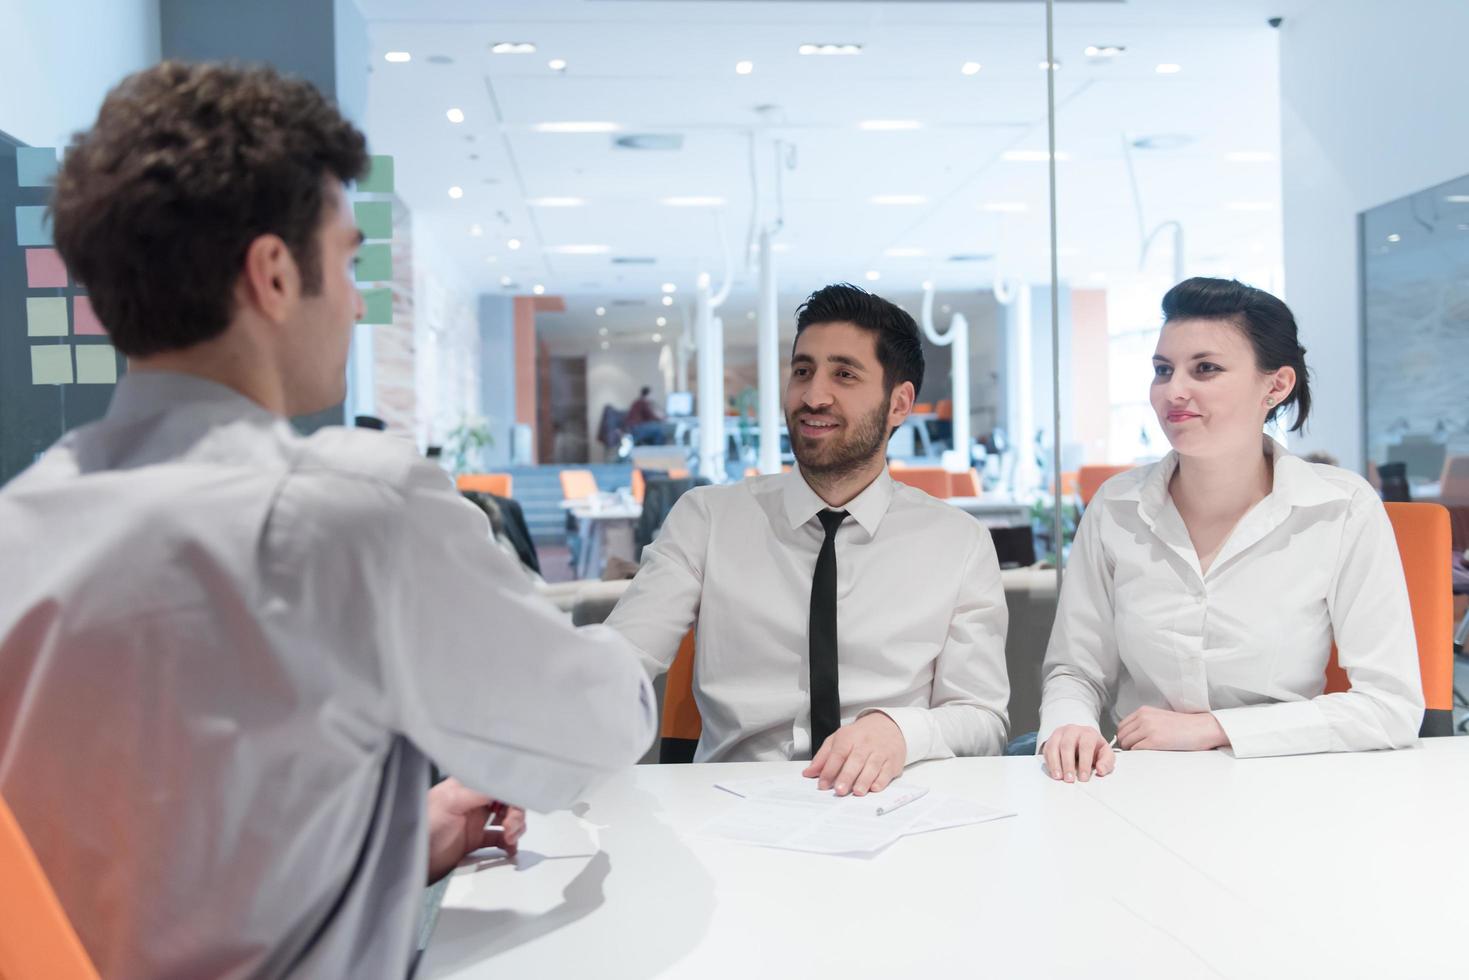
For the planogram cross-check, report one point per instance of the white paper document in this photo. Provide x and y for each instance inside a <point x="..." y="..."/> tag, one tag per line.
<point x="790" y="812"/>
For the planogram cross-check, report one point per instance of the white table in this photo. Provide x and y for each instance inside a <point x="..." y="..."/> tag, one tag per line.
<point x="605" y="530"/>
<point x="1177" y="865"/>
<point x="993" y="511"/>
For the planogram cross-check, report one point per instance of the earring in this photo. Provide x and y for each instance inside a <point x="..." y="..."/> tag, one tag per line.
<point x="1270" y="403"/>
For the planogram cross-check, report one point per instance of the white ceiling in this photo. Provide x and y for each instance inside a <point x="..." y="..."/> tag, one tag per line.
<point x="668" y="67"/>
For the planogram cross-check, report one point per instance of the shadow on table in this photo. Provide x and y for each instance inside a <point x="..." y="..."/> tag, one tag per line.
<point x="665" y="899"/>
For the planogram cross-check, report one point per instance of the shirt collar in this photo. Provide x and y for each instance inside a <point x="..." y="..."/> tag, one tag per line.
<point x="142" y="393"/>
<point x="867" y="508"/>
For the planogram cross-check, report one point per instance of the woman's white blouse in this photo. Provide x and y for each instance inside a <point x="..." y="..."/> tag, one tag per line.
<point x="1314" y="562"/>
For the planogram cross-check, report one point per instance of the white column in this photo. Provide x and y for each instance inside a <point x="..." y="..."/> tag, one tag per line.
<point x="769" y="361"/>
<point x="709" y="335"/>
<point x="963" y="441"/>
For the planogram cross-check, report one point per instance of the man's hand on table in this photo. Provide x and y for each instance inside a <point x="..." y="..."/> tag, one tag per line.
<point x="457" y="819"/>
<point x="861" y="757"/>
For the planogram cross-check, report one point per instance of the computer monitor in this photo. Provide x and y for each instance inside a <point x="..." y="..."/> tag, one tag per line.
<point x="680" y="403"/>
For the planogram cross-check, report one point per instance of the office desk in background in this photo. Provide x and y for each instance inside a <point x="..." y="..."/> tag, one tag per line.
<point x="1178" y="865"/>
<point x="605" y="530"/>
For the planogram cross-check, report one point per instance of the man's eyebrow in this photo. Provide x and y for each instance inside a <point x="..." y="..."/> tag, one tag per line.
<point x="847" y="360"/>
<point x="802" y="359"/>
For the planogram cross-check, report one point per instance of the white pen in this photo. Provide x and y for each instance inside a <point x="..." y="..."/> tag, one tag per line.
<point x="903" y="800"/>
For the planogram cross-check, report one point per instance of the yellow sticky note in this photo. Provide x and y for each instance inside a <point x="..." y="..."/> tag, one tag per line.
<point x="51" y="364"/>
<point x="96" y="364"/>
<point x="46" y="316"/>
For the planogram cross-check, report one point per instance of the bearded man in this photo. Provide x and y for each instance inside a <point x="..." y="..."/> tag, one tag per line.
<point x="841" y="617"/>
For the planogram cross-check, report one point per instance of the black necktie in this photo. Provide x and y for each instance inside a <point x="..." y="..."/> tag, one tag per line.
<point x="826" y="703"/>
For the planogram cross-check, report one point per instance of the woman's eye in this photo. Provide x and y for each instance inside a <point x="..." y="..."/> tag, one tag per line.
<point x="1206" y="368"/>
<point x="1161" y="370"/>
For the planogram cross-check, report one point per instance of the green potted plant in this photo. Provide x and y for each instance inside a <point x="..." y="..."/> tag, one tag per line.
<point x="465" y="444"/>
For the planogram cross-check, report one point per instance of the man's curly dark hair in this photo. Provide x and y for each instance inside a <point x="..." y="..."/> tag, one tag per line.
<point x="187" y="164"/>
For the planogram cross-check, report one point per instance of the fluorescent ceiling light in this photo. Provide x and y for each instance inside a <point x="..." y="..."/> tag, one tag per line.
<point x="810" y="48"/>
<point x="1104" y="50"/>
<point x="744" y="67"/>
<point x="669" y="287"/>
<point x="1005" y="207"/>
<point x="538" y="289"/>
<point x="1168" y="69"/>
<point x="1457" y="198"/>
<point x="970" y="68"/>
<point x="903" y="252"/>
<point x="512" y="47"/>
<point x="1250" y="156"/>
<point x="556" y="202"/>
<point x="693" y="201"/>
<point x="576" y="127"/>
<point x="398" y="57"/>
<point x="455" y="115"/>
<point x="513" y="244"/>
<point x="578" y="249"/>
<point x="456" y="192"/>
<point x="1034" y="156"/>
<point x="556" y="64"/>
<point x="1394" y="237"/>
<point x="889" y="125"/>
<point x="1250" y="206"/>
<point x="1053" y="65"/>
<point x="898" y="199"/>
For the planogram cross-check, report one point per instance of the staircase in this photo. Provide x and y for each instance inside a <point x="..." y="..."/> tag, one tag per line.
<point x="538" y="490"/>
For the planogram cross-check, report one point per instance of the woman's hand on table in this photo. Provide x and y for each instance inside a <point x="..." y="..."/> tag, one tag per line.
<point x="1074" y="752"/>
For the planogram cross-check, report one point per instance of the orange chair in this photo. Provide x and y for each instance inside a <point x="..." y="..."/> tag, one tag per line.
<point x="896" y="464"/>
<point x="578" y="484"/>
<point x="1089" y="479"/>
<point x="678" y="474"/>
<point x="498" y="484"/>
<point x="681" y="727"/>
<point x="639" y="485"/>
<point x="923" y="408"/>
<point x="965" y="484"/>
<point x="1424" y="543"/>
<point x="945" y="410"/>
<point x="36" y="937"/>
<point x="1068" y="484"/>
<point x="932" y="480"/>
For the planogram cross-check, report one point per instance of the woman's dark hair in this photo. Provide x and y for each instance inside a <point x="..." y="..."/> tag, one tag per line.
<point x="1265" y="320"/>
<point x="899" y="350"/>
<point x="156" y="205"/>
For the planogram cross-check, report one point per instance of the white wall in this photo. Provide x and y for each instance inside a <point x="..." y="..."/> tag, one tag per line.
<point x="446" y="341"/>
<point x="57" y="61"/>
<point x="1372" y="102"/>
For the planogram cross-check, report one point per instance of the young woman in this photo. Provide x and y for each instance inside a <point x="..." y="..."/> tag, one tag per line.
<point x="1204" y="592"/>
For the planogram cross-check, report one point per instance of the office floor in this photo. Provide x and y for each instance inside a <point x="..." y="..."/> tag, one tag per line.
<point x="555" y="563"/>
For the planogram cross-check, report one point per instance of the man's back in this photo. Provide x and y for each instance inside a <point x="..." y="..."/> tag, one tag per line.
<point x="203" y="628"/>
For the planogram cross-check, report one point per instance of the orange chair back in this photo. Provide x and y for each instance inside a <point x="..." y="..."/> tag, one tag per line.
<point x="896" y="464"/>
<point x="36" y="937"/>
<point x="945" y="410"/>
<point x="1068" y="484"/>
<point x="1089" y="479"/>
<point x="680" y="713"/>
<point x="923" y="408"/>
<point x="965" y="484"/>
<point x="578" y="484"/>
<point x="498" y="484"/>
<point x="932" y="480"/>
<point x="639" y="485"/>
<point x="1425" y="545"/>
<point x="678" y="474"/>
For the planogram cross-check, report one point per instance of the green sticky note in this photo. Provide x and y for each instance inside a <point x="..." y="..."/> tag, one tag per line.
<point x="35" y="165"/>
<point x="51" y="364"/>
<point x="46" y="316"/>
<point x="96" y="364"/>
<point x="375" y="263"/>
<point x="379" y="179"/>
<point x="379" y="303"/>
<point x="374" y="218"/>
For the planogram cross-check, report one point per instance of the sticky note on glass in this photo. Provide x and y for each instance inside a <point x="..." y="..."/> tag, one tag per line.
<point x="85" y="318"/>
<point x="51" y="365"/>
<point x="44" y="269"/>
<point x="379" y="179"/>
<point x="379" y="303"/>
<point x="32" y="226"/>
<point x="46" y="316"/>
<point x="374" y="218"/>
<point x="35" y="165"/>
<point x="96" y="364"/>
<point x="375" y="263"/>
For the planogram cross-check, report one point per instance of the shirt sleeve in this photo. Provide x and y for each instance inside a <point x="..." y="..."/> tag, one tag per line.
<point x="1082" y="663"/>
<point x="489" y="679"/>
<point x="662" y="603"/>
<point x="1372" y="622"/>
<point x="967" y="714"/>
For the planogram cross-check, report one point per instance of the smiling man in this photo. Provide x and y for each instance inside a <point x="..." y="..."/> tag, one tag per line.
<point x="842" y="617"/>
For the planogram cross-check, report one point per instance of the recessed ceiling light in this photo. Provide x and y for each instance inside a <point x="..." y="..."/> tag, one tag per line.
<point x="903" y="252"/>
<point x="750" y="315"/>
<point x="1104" y="50"/>
<point x="476" y="231"/>
<point x="1033" y="156"/>
<point x="668" y="301"/>
<point x="693" y="201"/>
<point x="1004" y="207"/>
<point x="455" y="115"/>
<point x="578" y="249"/>
<point x="538" y="289"/>
<point x="398" y="57"/>
<point x="744" y="67"/>
<point x="491" y="259"/>
<point x="810" y="48"/>
<point x="556" y="202"/>
<point x="1168" y="68"/>
<point x="576" y="127"/>
<point x="1250" y="206"/>
<point x="889" y="125"/>
<point x="1394" y="237"/>
<point x="606" y="345"/>
<point x="556" y="64"/>
<point x="970" y="68"/>
<point x="512" y="47"/>
<point x="506" y="280"/>
<point x="1457" y="198"/>
<point x="657" y="338"/>
<point x="1250" y="156"/>
<point x="872" y="275"/>
<point x="513" y="244"/>
<point x="602" y="332"/>
<point x="669" y="287"/>
<point x="662" y="321"/>
<point x="602" y="311"/>
<point x="456" y="192"/>
<point x="898" y="199"/>
<point x="1053" y="65"/>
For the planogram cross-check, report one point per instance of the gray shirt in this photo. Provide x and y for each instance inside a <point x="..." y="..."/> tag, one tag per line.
<point x="226" y="653"/>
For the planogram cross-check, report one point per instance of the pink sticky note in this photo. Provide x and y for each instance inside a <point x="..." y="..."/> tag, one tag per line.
<point x="44" y="268"/>
<point x="84" y="320"/>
